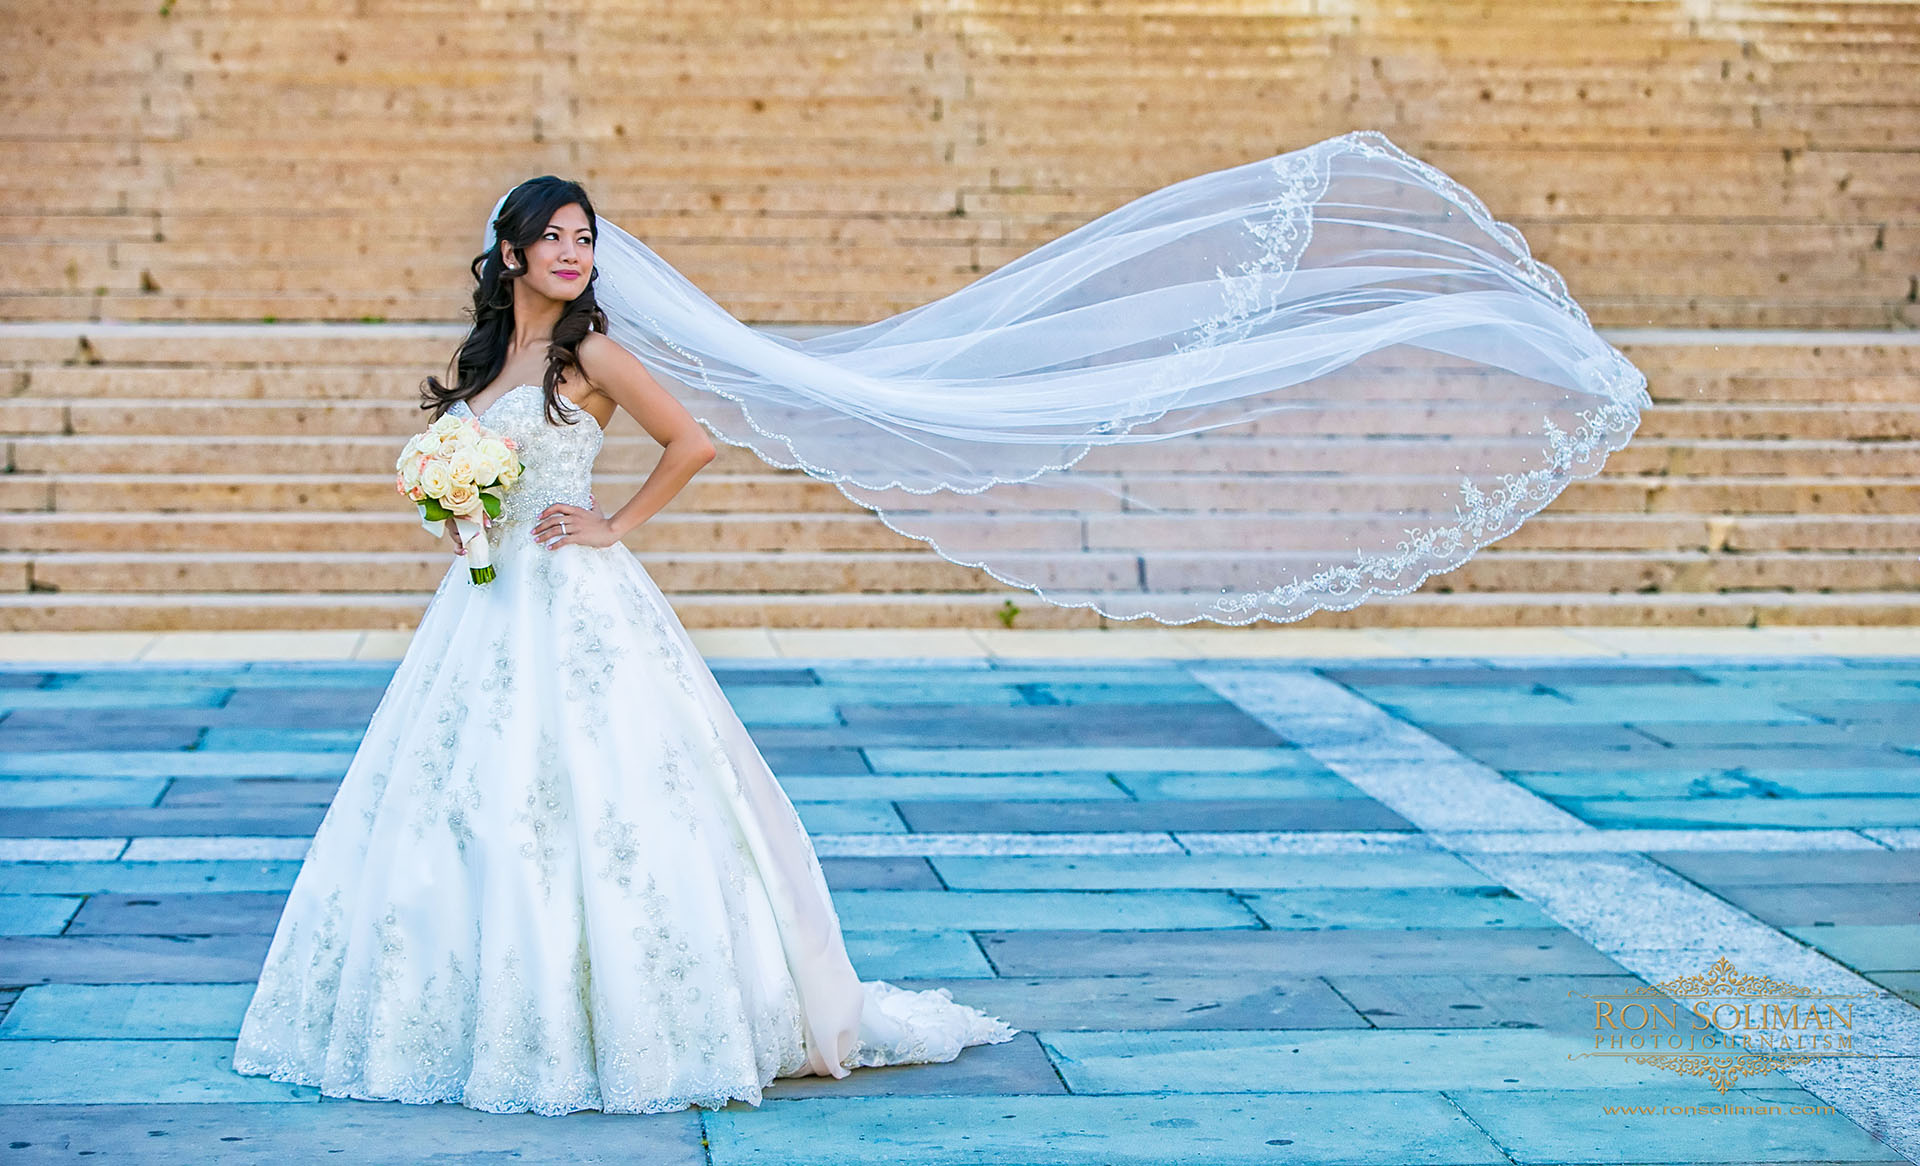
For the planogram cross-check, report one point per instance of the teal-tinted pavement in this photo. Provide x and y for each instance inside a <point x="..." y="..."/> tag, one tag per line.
<point x="1245" y="912"/>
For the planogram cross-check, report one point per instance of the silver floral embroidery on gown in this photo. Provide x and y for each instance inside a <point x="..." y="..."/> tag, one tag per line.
<point x="558" y="874"/>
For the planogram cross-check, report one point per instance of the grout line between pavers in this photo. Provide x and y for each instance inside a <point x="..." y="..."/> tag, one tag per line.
<point x="1628" y="907"/>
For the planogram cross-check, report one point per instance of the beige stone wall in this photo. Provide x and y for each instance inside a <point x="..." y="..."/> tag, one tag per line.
<point x="1684" y="162"/>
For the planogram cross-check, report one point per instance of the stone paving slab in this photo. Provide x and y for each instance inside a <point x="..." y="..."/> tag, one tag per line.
<point x="1373" y="907"/>
<point x="1159" y="1002"/>
<point x="364" y="1133"/>
<point x="1376" y="1061"/>
<point x="1801" y="812"/>
<point x="1038" y="759"/>
<point x="1866" y="947"/>
<point x="1331" y="953"/>
<point x="1479" y="738"/>
<point x="171" y="763"/>
<point x="19" y="735"/>
<point x="1012" y="1068"/>
<point x="158" y="913"/>
<point x="1572" y="1127"/>
<point x="1861" y="867"/>
<point x="1827" y="903"/>
<point x="125" y="1072"/>
<point x="1862" y="735"/>
<point x="1205" y="871"/>
<point x="1213" y="724"/>
<point x="1450" y="675"/>
<point x="945" y="910"/>
<point x="297" y="821"/>
<point x="1149" y="787"/>
<point x="36" y="914"/>
<point x="1521" y="751"/>
<point x="992" y="788"/>
<point x="889" y="955"/>
<point x="303" y="706"/>
<point x="54" y="793"/>
<point x="87" y="878"/>
<point x="760" y="705"/>
<point x="131" y="959"/>
<point x="873" y="816"/>
<point x="1182" y="814"/>
<point x="256" y="740"/>
<point x="1234" y="1130"/>
<point x="127" y="1012"/>
<point x="157" y="704"/>
<point x="1479" y="999"/>
<point x="1905" y="984"/>
<point x="80" y="710"/>
<point x="1595" y="708"/>
<point x="1733" y="782"/>
<point x="228" y="793"/>
<point x="886" y="873"/>
<point x="826" y="761"/>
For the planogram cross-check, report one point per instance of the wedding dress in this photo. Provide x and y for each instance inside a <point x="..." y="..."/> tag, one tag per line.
<point x="558" y="874"/>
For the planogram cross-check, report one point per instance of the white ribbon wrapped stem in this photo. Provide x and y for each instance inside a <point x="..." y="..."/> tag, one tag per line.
<point x="473" y="536"/>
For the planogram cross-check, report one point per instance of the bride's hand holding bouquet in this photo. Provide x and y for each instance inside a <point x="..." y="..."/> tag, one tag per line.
<point x="457" y="472"/>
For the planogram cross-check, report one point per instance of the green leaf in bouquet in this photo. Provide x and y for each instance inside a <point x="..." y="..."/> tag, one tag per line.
<point x="432" y="511"/>
<point x="492" y="503"/>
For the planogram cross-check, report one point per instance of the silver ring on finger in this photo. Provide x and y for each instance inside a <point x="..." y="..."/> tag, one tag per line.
<point x="563" y="528"/>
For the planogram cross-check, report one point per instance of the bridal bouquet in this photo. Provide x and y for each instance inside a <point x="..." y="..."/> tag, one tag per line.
<point x="459" y="470"/>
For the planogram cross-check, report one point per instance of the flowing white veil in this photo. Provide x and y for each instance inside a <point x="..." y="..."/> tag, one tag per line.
<point x="1280" y="387"/>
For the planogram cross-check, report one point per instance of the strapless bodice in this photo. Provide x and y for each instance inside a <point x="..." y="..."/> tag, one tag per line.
<point x="558" y="458"/>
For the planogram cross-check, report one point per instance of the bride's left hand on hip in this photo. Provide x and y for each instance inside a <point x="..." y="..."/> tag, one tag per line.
<point x="561" y="525"/>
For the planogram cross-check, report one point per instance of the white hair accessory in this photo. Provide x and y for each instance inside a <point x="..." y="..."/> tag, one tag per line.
<point x="486" y="244"/>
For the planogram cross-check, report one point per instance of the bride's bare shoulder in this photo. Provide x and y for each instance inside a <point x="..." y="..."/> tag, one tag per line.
<point x="601" y="358"/>
<point x="612" y="371"/>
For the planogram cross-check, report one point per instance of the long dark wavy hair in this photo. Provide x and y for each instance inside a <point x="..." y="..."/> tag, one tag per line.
<point x="482" y="356"/>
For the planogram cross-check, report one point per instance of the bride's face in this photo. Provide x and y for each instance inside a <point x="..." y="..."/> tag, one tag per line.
<point x="560" y="261"/>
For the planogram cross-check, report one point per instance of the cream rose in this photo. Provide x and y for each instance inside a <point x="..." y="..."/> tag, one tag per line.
<point x="493" y="449"/>
<point x="462" y="498"/>
<point x="464" y="466"/>
<point x="434" y="479"/>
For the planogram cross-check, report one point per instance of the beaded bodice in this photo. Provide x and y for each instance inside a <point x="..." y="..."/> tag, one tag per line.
<point x="558" y="459"/>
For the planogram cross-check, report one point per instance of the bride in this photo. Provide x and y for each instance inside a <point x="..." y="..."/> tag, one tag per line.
<point x="558" y="875"/>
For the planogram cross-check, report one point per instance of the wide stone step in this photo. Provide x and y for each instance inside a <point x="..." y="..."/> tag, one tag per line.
<point x="311" y="383"/>
<point x="771" y="490"/>
<point x="156" y="417"/>
<point x="351" y="531"/>
<point x="424" y="347"/>
<point x="309" y="531"/>
<point x="369" y="455"/>
<point x="121" y="611"/>
<point x="793" y="491"/>
<point x="735" y="572"/>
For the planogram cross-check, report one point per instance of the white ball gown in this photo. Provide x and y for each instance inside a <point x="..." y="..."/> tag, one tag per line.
<point x="558" y="875"/>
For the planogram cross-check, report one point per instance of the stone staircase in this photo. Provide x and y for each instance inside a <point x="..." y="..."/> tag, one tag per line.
<point x="239" y="476"/>
<point x="1721" y="163"/>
